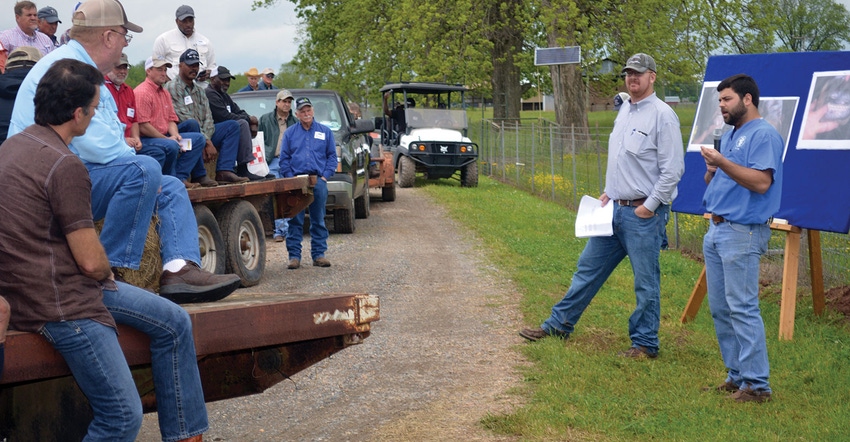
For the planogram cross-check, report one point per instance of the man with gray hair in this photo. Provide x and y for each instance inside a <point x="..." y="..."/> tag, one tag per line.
<point x="48" y="22"/>
<point x="127" y="188"/>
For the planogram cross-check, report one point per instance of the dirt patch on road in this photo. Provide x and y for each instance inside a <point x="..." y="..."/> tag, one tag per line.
<point x="440" y="359"/>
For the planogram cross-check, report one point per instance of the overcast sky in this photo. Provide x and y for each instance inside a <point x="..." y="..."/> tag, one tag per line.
<point x="242" y="38"/>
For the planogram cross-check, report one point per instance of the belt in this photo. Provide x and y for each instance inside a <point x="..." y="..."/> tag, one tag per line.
<point x="631" y="203"/>
<point x="717" y="219"/>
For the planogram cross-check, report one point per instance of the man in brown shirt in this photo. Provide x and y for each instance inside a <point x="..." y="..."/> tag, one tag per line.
<point x="58" y="281"/>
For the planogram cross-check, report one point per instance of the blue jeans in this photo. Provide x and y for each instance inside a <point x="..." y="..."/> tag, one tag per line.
<point x="190" y="164"/>
<point x="638" y="238"/>
<point x="125" y="193"/>
<point x="226" y="140"/>
<point x="97" y="362"/>
<point x="246" y="149"/>
<point x="280" y="224"/>
<point x="318" y="230"/>
<point x="732" y="252"/>
<point x="163" y="150"/>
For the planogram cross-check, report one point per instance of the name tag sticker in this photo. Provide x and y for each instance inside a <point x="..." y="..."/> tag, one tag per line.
<point x="320" y="135"/>
<point x="131" y="112"/>
<point x="228" y="108"/>
<point x="187" y="100"/>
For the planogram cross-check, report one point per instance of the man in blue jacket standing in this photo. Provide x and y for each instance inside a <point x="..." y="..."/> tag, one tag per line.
<point x="308" y="149"/>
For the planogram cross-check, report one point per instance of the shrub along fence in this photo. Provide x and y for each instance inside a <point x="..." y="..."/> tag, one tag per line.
<point x="563" y="163"/>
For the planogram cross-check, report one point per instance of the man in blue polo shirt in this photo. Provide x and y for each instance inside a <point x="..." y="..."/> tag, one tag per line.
<point x="308" y="148"/>
<point x="744" y="188"/>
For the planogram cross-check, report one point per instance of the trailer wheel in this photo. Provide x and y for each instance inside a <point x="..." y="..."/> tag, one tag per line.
<point x="210" y="242"/>
<point x="344" y="220"/>
<point x="361" y="206"/>
<point x="469" y="175"/>
<point x="388" y="193"/>
<point x="242" y="231"/>
<point x="406" y="171"/>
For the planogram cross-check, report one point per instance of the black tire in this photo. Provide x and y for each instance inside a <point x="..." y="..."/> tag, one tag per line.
<point x="406" y="172"/>
<point x="388" y="193"/>
<point x="210" y="241"/>
<point x="242" y="231"/>
<point x="344" y="220"/>
<point x="361" y="206"/>
<point x="469" y="175"/>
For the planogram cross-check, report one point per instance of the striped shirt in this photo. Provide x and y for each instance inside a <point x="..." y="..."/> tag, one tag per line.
<point x="190" y="102"/>
<point x="15" y="37"/>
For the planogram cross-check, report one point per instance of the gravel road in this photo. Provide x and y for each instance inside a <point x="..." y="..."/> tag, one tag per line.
<point x="438" y="361"/>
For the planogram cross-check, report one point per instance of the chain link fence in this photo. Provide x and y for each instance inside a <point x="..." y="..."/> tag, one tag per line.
<point x="561" y="164"/>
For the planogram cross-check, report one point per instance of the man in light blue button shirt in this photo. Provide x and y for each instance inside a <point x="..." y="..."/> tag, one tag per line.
<point x="645" y="163"/>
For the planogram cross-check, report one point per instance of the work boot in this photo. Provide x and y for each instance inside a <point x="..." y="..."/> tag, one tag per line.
<point x="228" y="177"/>
<point x="242" y="170"/>
<point x="535" y="334"/>
<point x="321" y="262"/>
<point x="750" y="395"/>
<point x="192" y="284"/>
<point x="294" y="263"/>
<point x="205" y="181"/>
<point x="639" y="352"/>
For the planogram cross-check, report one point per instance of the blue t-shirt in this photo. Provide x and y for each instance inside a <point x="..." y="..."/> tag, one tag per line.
<point x="756" y="145"/>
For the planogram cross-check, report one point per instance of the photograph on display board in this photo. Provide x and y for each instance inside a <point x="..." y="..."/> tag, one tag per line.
<point x="708" y="118"/>
<point x="779" y="112"/>
<point x="825" y="122"/>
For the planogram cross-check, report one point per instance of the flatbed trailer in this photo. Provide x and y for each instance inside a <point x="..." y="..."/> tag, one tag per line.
<point x="244" y="345"/>
<point x="231" y="234"/>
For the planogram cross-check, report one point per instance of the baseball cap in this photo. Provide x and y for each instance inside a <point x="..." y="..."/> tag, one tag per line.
<point x="619" y="99"/>
<point x="184" y="11"/>
<point x="22" y="57"/>
<point x="190" y="57"/>
<point x="49" y="14"/>
<point x="640" y="63"/>
<point x="268" y="71"/>
<point x="102" y="13"/>
<point x="301" y="102"/>
<point x="123" y="60"/>
<point x="223" y="73"/>
<point x="159" y="62"/>
<point x="284" y="94"/>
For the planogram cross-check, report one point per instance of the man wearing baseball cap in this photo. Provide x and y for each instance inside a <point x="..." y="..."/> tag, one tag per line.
<point x="126" y="190"/>
<point x="268" y="77"/>
<point x="645" y="163"/>
<point x="273" y="125"/>
<point x="171" y="44"/>
<point x="308" y="148"/>
<point x="48" y="21"/>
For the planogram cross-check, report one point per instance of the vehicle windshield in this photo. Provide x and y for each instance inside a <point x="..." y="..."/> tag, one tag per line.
<point x="324" y="109"/>
<point x="442" y="118"/>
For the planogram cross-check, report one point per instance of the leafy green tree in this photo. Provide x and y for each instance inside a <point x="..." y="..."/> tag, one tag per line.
<point x="812" y="25"/>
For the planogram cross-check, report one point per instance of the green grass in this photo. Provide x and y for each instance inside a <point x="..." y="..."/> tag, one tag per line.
<point x="580" y="390"/>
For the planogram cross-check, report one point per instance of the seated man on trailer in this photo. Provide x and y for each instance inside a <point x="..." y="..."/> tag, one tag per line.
<point x="58" y="280"/>
<point x="127" y="189"/>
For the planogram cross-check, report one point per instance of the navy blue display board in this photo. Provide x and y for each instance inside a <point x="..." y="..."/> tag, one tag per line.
<point x="813" y="91"/>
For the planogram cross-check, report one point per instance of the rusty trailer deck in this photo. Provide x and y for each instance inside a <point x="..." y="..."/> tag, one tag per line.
<point x="244" y="346"/>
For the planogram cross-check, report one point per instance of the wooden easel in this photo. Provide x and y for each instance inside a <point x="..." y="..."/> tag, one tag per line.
<point x="789" y="280"/>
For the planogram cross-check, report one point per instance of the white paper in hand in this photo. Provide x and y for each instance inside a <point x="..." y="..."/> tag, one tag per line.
<point x="593" y="219"/>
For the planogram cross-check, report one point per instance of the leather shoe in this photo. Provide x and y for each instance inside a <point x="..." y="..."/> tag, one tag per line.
<point x="535" y="334"/>
<point x="294" y="264"/>
<point x="321" y="262"/>
<point x="190" y="185"/>
<point x="278" y="239"/>
<point x="205" y="181"/>
<point x="750" y="395"/>
<point x="228" y="177"/>
<point x="637" y="353"/>
<point x="193" y="284"/>
<point x="726" y="387"/>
